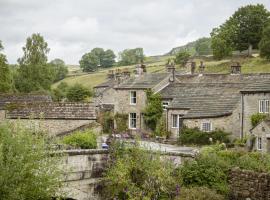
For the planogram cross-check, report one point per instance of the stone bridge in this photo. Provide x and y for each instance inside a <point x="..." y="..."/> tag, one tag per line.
<point x="84" y="170"/>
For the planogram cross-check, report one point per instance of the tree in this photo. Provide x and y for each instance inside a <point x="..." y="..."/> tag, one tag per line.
<point x="97" y="58"/>
<point x="6" y="82"/>
<point x="60" y="92"/>
<point x="78" y="93"/>
<point x="182" y="57"/>
<point x="153" y="110"/>
<point x="203" y="46"/>
<point x="264" y="44"/>
<point x="27" y="169"/>
<point x="242" y="31"/>
<point x="34" y="73"/>
<point x="60" y="69"/>
<point x="131" y="56"/>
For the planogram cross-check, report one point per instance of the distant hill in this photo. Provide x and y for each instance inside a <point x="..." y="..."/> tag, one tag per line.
<point x="189" y="47"/>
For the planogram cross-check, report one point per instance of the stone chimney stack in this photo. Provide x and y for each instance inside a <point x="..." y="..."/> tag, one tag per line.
<point x="140" y="69"/>
<point x="193" y="67"/>
<point x="171" y="68"/>
<point x="202" y="67"/>
<point x="110" y="74"/>
<point x="235" y="68"/>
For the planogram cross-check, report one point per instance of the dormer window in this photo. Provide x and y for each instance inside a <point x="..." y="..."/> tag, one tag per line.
<point x="133" y="98"/>
<point x="263" y="106"/>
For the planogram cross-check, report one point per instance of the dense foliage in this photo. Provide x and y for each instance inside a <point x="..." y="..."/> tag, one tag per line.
<point x="203" y="46"/>
<point x="182" y="58"/>
<point x="265" y="43"/>
<point x="199" y="193"/>
<point x="121" y="121"/>
<point x="60" y="92"/>
<point x="97" y="58"/>
<point x="60" y="69"/>
<point x="34" y="72"/>
<point x="131" y="56"/>
<point x="153" y="111"/>
<point x="211" y="167"/>
<point x="161" y="129"/>
<point x="137" y="174"/>
<point x="257" y="118"/>
<point x="81" y="139"/>
<point x="78" y="93"/>
<point x="242" y="31"/>
<point x="6" y="83"/>
<point x="198" y="137"/>
<point x="27" y="169"/>
<point x="106" y="121"/>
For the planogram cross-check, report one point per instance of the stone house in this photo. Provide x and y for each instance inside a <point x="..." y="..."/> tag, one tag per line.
<point x="206" y="101"/>
<point x="262" y="136"/>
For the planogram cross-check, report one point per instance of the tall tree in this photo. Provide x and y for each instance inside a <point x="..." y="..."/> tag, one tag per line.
<point x="60" y="69"/>
<point x="97" y="58"/>
<point x="264" y="44"/>
<point x="131" y="56"/>
<point x="203" y="46"/>
<point x="34" y="72"/>
<point x="5" y="74"/>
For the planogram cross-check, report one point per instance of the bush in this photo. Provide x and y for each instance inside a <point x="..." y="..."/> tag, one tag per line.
<point x="121" y="121"/>
<point x="182" y="57"/>
<point x="257" y="118"/>
<point x="106" y="121"/>
<point x="161" y="129"/>
<point x="83" y="140"/>
<point x="60" y="92"/>
<point x="198" y="137"/>
<point x="27" y="169"/>
<point x="78" y="93"/>
<point x="137" y="174"/>
<point x="199" y="193"/>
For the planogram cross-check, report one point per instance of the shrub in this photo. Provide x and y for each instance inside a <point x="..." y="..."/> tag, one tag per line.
<point x="60" y="92"/>
<point x="199" y="193"/>
<point x="78" y="93"/>
<point x="198" y="137"/>
<point x="138" y="174"/>
<point x="182" y="57"/>
<point x="83" y="140"/>
<point x="27" y="169"/>
<point x="257" y="118"/>
<point x="161" y="129"/>
<point x="106" y="121"/>
<point x="121" y="121"/>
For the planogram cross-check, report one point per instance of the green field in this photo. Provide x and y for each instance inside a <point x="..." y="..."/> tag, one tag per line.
<point x="156" y="64"/>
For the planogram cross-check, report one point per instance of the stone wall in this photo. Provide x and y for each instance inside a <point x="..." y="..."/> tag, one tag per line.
<point x="250" y="185"/>
<point x="262" y="130"/>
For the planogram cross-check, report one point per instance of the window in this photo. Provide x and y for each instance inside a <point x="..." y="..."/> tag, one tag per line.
<point x="259" y="143"/>
<point x="263" y="106"/>
<point x="132" y="120"/>
<point x="133" y="97"/>
<point x="175" y="121"/>
<point x="206" y="126"/>
<point x="165" y="104"/>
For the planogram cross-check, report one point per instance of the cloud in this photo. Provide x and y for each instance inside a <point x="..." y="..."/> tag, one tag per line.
<point x="73" y="28"/>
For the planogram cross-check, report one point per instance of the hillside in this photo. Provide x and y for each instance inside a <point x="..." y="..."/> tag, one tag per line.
<point x="189" y="47"/>
<point x="157" y="64"/>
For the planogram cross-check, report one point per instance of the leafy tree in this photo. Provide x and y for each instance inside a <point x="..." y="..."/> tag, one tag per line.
<point x="60" y="69"/>
<point x="249" y="22"/>
<point x="203" y="46"/>
<point x="27" y="169"/>
<point x="60" y="92"/>
<point x="182" y="57"/>
<point x="78" y="93"/>
<point x="6" y="82"/>
<point x="34" y="73"/>
<point x="264" y="44"/>
<point x="153" y="110"/>
<point x="97" y="58"/>
<point x="131" y="56"/>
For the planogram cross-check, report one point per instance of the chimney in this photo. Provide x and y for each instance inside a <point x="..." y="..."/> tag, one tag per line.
<point x="235" y="68"/>
<point x="110" y="74"/>
<point x="171" y="69"/>
<point x="140" y="69"/>
<point x="202" y="67"/>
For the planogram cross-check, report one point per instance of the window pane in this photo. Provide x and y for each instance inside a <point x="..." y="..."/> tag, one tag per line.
<point x="132" y="120"/>
<point x="266" y="106"/>
<point x="175" y="121"/>
<point x="133" y="96"/>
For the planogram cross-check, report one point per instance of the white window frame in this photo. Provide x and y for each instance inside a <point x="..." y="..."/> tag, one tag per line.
<point x="165" y="105"/>
<point x="204" y="126"/>
<point x="259" y="143"/>
<point x="264" y="106"/>
<point x="177" y="121"/>
<point x="130" y="120"/>
<point x="133" y="98"/>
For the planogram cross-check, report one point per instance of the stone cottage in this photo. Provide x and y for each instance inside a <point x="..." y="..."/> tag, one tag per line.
<point x="206" y="101"/>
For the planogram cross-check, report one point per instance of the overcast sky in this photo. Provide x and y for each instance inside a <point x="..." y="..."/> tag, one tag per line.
<point x="73" y="27"/>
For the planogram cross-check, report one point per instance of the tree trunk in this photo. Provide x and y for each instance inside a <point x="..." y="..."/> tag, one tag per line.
<point x="249" y="50"/>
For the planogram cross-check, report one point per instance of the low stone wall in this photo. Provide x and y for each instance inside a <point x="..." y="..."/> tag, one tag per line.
<point x="249" y="185"/>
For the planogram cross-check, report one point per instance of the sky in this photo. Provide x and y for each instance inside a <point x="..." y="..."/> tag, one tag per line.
<point x="74" y="27"/>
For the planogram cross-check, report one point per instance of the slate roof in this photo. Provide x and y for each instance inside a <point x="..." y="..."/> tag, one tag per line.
<point x="260" y="86"/>
<point x="85" y="111"/>
<point x="145" y="81"/>
<point x="22" y="98"/>
<point x="108" y="83"/>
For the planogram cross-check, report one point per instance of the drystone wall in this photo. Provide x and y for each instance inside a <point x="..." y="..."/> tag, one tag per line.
<point x="249" y="185"/>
